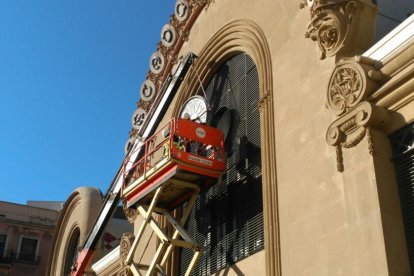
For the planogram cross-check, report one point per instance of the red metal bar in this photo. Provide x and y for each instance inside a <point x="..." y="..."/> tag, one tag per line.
<point x="82" y="261"/>
<point x="208" y="161"/>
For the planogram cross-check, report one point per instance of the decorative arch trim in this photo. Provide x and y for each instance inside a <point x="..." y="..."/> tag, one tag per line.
<point x="79" y="212"/>
<point x="245" y="36"/>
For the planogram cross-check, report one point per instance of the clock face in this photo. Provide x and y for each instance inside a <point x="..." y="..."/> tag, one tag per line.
<point x="195" y="109"/>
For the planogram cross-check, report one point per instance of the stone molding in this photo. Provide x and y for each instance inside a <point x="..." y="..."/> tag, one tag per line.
<point x="350" y="85"/>
<point x="244" y="35"/>
<point x="79" y="212"/>
<point x="351" y="128"/>
<point x="340" y="27"/>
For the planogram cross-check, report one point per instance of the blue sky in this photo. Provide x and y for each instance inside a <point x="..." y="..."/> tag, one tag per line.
<point x="69" y="78"/>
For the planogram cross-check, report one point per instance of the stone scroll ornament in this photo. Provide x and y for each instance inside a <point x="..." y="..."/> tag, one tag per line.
<point x="350" y="85"/>
<point x="341" y="27"/>
<point x="130" y="213"/>
<point x="330" y="25"/>
<point x="125" y="244"/>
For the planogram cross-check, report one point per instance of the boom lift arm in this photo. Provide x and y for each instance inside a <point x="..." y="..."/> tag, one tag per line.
<point x="166" y="94"/>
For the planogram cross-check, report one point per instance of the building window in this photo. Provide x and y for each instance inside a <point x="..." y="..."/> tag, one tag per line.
<point x="227" y="219"/>
<point x="403" y="156"/>
<point x="3" y="239"/>
<point x="28" y="249"/>
<point x="72" y="251"/>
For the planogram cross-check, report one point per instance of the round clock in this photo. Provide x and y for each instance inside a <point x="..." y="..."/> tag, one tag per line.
<point x="195" y="109"/>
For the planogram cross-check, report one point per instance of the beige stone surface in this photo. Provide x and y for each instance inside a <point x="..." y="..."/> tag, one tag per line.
<point x="318" y="221"/>
<point x="331" y="223"/>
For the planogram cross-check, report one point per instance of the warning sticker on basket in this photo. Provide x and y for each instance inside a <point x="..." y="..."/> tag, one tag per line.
<point x="200" y="160"/>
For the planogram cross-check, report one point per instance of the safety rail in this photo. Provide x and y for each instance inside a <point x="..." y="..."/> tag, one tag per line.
<point x="196" y="147"/>
<point x="174" y="162"/>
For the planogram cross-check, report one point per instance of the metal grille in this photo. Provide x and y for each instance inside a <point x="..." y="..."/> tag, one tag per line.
<point x="403" y="144"/>
<point x="227" y="219"/>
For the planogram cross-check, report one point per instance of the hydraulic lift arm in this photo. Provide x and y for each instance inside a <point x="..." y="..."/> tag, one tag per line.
<point x="157" y="112"/>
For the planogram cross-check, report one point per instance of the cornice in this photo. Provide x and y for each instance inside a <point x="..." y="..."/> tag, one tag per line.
<point x="32" y="225"/>
<point x="108" y="264"/>
<point x="173" y="35"/>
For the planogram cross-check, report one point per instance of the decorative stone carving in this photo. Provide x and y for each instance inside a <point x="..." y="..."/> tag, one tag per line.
<point x="264" y="99"/>
<point x="147" y="90"/>
<point x="330" y="23"/>
<point x="138" y="118"/>
<point x="350" y="84"/>
<point x="168" y="35"/>
<point x="181" y="10"/>
<point x="203" y="3"/>
<point x="349" y="130"/>
<point x="173" y="35"/>
<point x="157" y="62"/>
<point x="336" y="26"/>
<point x="129" y="144"/>
<point x="125" y="272"/>
<point x="124" y="246"/>
<point x="130" y="213"/>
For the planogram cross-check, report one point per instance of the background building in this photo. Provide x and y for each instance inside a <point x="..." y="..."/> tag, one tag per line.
<point x="318" y="106"/>
<point x="26" y="234"/>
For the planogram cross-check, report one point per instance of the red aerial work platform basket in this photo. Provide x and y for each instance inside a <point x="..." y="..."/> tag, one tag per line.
<point x="181" y="153"/>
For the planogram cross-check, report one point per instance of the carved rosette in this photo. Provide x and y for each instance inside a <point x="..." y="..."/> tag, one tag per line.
<point x="124" y="246"/>
<point x="351" y="84"/>
<point x="130" y="214"/>
<point x="347" y="87"/>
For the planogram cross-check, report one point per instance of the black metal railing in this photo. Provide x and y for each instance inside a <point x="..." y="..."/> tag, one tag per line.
<point x="11" y="257"/>
<point x="8" y="257"/>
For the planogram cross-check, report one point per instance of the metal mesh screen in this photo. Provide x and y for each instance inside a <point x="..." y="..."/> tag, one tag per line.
<point x="403" y="150"/>
<point x="227" y="219"/>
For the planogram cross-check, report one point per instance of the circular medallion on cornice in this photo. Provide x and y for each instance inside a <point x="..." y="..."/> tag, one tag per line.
<point x="138" y="118"/>
<point x="168" y="35"/>
<point x="181" y="10"/>
<point x="129" y="144"/>
<point x="347" y="87"/>
<point x="157" y="63"/>
<point x="147" y="90"/>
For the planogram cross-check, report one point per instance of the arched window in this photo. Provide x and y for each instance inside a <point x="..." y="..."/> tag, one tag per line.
<point x="402" y="143"/>
<point x="72" y="250"/>
<point x="227" y="220"/>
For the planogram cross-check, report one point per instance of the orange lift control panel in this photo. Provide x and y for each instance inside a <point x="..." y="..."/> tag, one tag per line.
<point x="181" y="152"/>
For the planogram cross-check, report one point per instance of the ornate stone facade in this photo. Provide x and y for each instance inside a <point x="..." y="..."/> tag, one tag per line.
<point x="335" y="26"/>
<point x="350" y="85"/>
<point x="173" y="35"/>
<point x="124" y="247"/>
